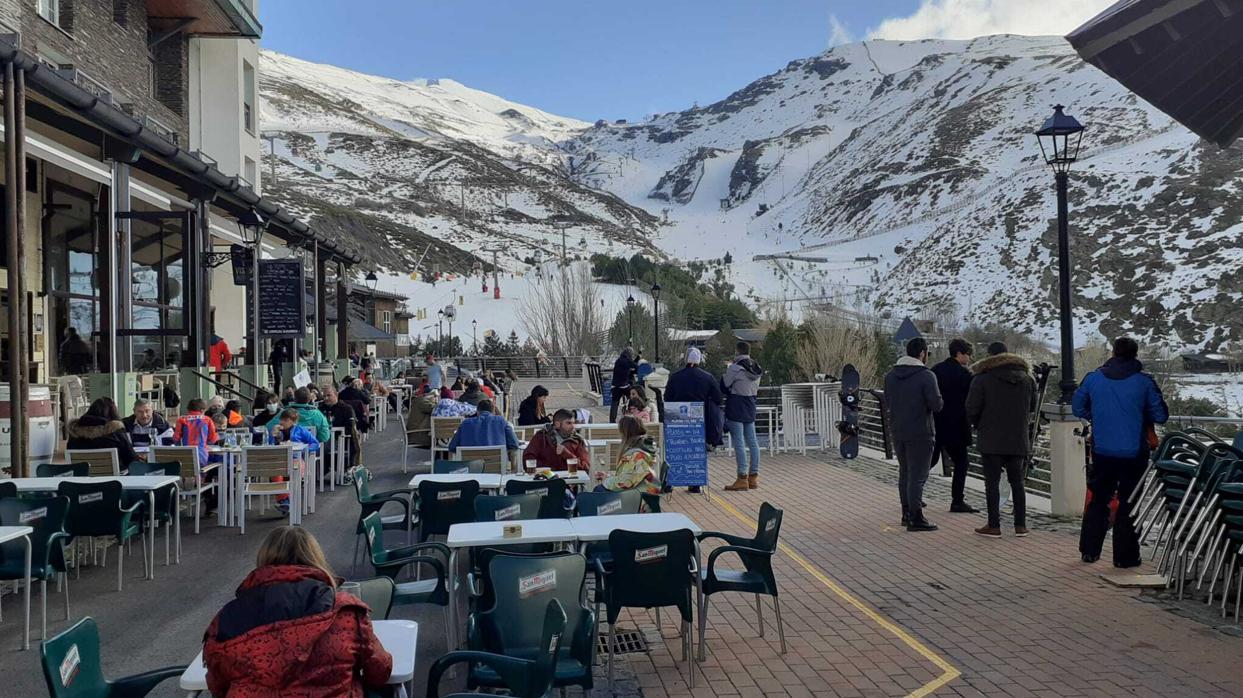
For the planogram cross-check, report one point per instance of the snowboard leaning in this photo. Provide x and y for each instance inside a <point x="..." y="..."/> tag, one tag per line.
<point x="849" y="426"/>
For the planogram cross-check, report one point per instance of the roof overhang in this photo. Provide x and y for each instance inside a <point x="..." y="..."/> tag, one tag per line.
<point x="79" y="108"/>
<point x="222" y="18"/>
<point x="1185" y="57"/>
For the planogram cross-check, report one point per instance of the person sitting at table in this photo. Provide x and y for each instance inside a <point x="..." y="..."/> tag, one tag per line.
<point x="353" y="390"/>
<point x="233" y="412"/>
<point x="419" y="420"/>
<point x="637" y="408"/>
<point x="290" y="631"/>
<point x="484" y="429"/>
<point x="531" y="409"/>
<point x="101" y="427"/>
<point x="636" y="466"/>
<point x="145" y="425"/>
<point x="310" y="416"/>
<point x="270" y="406"/>
<point x="472" y="395"/>
<point x="558" y="443"/>
<point x="288" y="430"/>
<point x="340" y="415"/>
<point x="446" y="406"/>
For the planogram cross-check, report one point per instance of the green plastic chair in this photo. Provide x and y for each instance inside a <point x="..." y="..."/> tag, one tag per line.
<point x="62" y="469"/>
<point x="165" y="500"/>
<point x="96" y="509"/>
<point x="518" y="507"/>
<point x="552" y="495"/>
<point x="46" y="515"/>
<point x="390" y="563"/>
<point x="756" y="577"/>
<point x="377" y="593"/>
<point x="72" y="668"/>
<point x="457" y="467"/>
<point x="525" y="678"/>
<point x="523" y="585"/>
<point x="370" y="503"/>
<point x="442" y="504"/>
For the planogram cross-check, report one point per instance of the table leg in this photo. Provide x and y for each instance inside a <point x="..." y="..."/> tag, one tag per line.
<point x="177" y="518"/>
<point x="151" y="528"/>
<point x="26" y="640"/>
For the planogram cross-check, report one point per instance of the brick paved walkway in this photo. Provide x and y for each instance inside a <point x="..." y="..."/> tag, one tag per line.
<point x="939" y="613"/>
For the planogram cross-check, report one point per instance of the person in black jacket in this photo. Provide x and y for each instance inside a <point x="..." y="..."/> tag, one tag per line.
<point x="531" y="409"/>
<point x="911" y="399"/>
<point x="146" y="425"/>
<point x="624" y="370"/>
<point x="953" y="435"/>
<point x="342" y="415"/>
<point x="101" y="427"/>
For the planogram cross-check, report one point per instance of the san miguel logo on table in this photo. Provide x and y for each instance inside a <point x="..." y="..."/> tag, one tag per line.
<point x="645" y="556"/>
<point x="537" y="583"/>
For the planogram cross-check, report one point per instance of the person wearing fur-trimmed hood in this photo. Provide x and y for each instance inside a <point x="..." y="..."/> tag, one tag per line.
<point x="1000" y="405"/>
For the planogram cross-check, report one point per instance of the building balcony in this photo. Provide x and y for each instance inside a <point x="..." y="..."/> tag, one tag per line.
<point x="219" y="18"/>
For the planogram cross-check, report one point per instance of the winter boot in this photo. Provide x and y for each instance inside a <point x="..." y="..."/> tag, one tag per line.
<point x="753" y="482"/>
<point x="739" y="484"/>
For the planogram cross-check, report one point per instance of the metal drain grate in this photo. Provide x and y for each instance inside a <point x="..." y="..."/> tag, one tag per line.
<point x="625" y="642"/>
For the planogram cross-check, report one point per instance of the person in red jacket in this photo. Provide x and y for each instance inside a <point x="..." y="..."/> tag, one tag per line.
<point x="289" y="631"/>
<point x="558" y="443"/>
<point x="219" y="355"/>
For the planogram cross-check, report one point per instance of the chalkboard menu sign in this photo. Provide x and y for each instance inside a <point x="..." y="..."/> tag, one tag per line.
<point x="282" y="298"/>
<point x="685" y="448"/>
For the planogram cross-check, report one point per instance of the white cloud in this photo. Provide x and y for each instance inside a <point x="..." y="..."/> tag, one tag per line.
<point x="967" y="19"/>
<point x="838" y="33"/>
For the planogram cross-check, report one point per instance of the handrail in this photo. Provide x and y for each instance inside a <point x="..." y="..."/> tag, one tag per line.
<point x="218" y="384"/>
<point x="238" y="376"/>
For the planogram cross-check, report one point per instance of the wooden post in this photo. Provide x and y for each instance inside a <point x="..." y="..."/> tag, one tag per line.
<point x="14" y="170"/>
<point x="321" y="304"/>
<point x="343" y="314"/>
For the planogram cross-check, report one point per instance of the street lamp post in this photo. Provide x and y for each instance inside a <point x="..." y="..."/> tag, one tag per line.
<point x="474" y="338"/>
<point x="1059" y="140"/>
<point x="440" y="332"/>
<point x="630" y="318"/>
<point x="656" y="317"/>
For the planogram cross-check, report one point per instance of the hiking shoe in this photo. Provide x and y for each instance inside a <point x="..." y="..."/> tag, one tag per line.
<point x="915" y="526"/>
<point x="989" y="531"/>
<point x="739" y="484"/>
<point x="963" y="508"/>
<point x="1020" y="531"/>
<point x="753" y="482"/>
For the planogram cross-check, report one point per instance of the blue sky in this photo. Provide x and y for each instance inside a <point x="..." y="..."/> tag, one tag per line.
<point x="581" y="58"/>
<point x="624" y="58"/>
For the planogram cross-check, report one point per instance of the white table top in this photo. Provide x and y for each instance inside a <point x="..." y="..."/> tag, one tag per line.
<point x="597" y="528"/>
<point x="128" y="482"/>
<point x="399" y="637"/>
<point x="469" y="535"/>
<point x="492" y="481"/>
<point x="766" y="408"/>
<point x="8" y="533"/>
<point x="297" y="446"/>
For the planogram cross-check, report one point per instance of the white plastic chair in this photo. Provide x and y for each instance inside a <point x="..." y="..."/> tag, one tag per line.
<point x="260" y="464"/>
<point x="495" y="458"/>
<point x="103" y="461"/>
<point x="192" y="471"/>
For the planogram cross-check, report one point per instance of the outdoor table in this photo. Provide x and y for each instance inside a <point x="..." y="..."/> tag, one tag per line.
<point x="400" y="638"/>
<point x="224" y="502"/>
<point x="230" y="512"/>
<point x="771" y="412"/>
<point x="491" y="534"/>
<point x="8" y="533"/>
<point x="590" y="529"/>
<point x="131" y="483"/>
<point x="492" y="481"/>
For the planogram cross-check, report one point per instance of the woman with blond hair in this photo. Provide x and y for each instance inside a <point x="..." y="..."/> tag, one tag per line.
<point x="636" y="466"/>
<point x="290" y="631"/>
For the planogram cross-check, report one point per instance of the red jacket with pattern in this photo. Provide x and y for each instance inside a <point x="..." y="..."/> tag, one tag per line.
<point x="287" y="633"/>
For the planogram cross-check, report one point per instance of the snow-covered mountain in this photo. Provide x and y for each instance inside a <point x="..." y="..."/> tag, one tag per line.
<point x="909" y="168"/>
<point x="432" y="174"/>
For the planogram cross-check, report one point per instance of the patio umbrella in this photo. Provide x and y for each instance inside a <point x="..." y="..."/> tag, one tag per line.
<point x="1185" y="57"/>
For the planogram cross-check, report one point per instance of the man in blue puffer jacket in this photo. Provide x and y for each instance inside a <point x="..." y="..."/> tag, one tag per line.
<point x="1121" y="401"/>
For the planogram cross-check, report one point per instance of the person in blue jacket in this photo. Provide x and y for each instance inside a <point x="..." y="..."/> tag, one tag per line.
<point x="1121" y="402"/>
<point x="484" y="429"/>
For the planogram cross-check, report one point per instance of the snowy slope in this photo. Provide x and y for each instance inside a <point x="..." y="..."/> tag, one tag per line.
<point x="918" y="157"/>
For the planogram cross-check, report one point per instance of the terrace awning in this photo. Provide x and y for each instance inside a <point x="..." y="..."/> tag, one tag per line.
<point x="1185" y="57"/>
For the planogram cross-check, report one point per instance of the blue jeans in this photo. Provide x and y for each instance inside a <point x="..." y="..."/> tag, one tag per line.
<point x="742" y="438"/>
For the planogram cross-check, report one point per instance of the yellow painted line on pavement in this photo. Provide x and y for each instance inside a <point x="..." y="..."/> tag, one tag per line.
<point x="948" y="671"/>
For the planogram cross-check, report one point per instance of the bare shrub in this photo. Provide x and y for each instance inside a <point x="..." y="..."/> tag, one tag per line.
<point x="564" y="313"/>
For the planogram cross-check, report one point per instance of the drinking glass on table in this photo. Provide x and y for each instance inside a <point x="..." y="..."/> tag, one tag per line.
<point x="354" y="588"/>
<point x="529" y="465"/>
<point x="572" y="465"/>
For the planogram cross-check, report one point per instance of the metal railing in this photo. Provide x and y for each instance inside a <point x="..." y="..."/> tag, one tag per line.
<point x="522" y="366"/>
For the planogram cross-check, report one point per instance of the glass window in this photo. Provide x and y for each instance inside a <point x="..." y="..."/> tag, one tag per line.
<point x="157" y="275"/>
<point x="248" y="97"/>
<point x="50" y="10"/>
<point x="70" y="255"/>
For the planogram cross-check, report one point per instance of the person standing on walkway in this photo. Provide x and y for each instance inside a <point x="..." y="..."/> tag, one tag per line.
<point x="1122" y="402"/>
<point x="435" y="373"/>
<point x="1000" y="406"/>
<point x="953" y="432"/>
<point x="624" y="370"/>
<point x="912" y="398"/>
<point x="693" y="384"/>
<point x="742" y="383"/>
